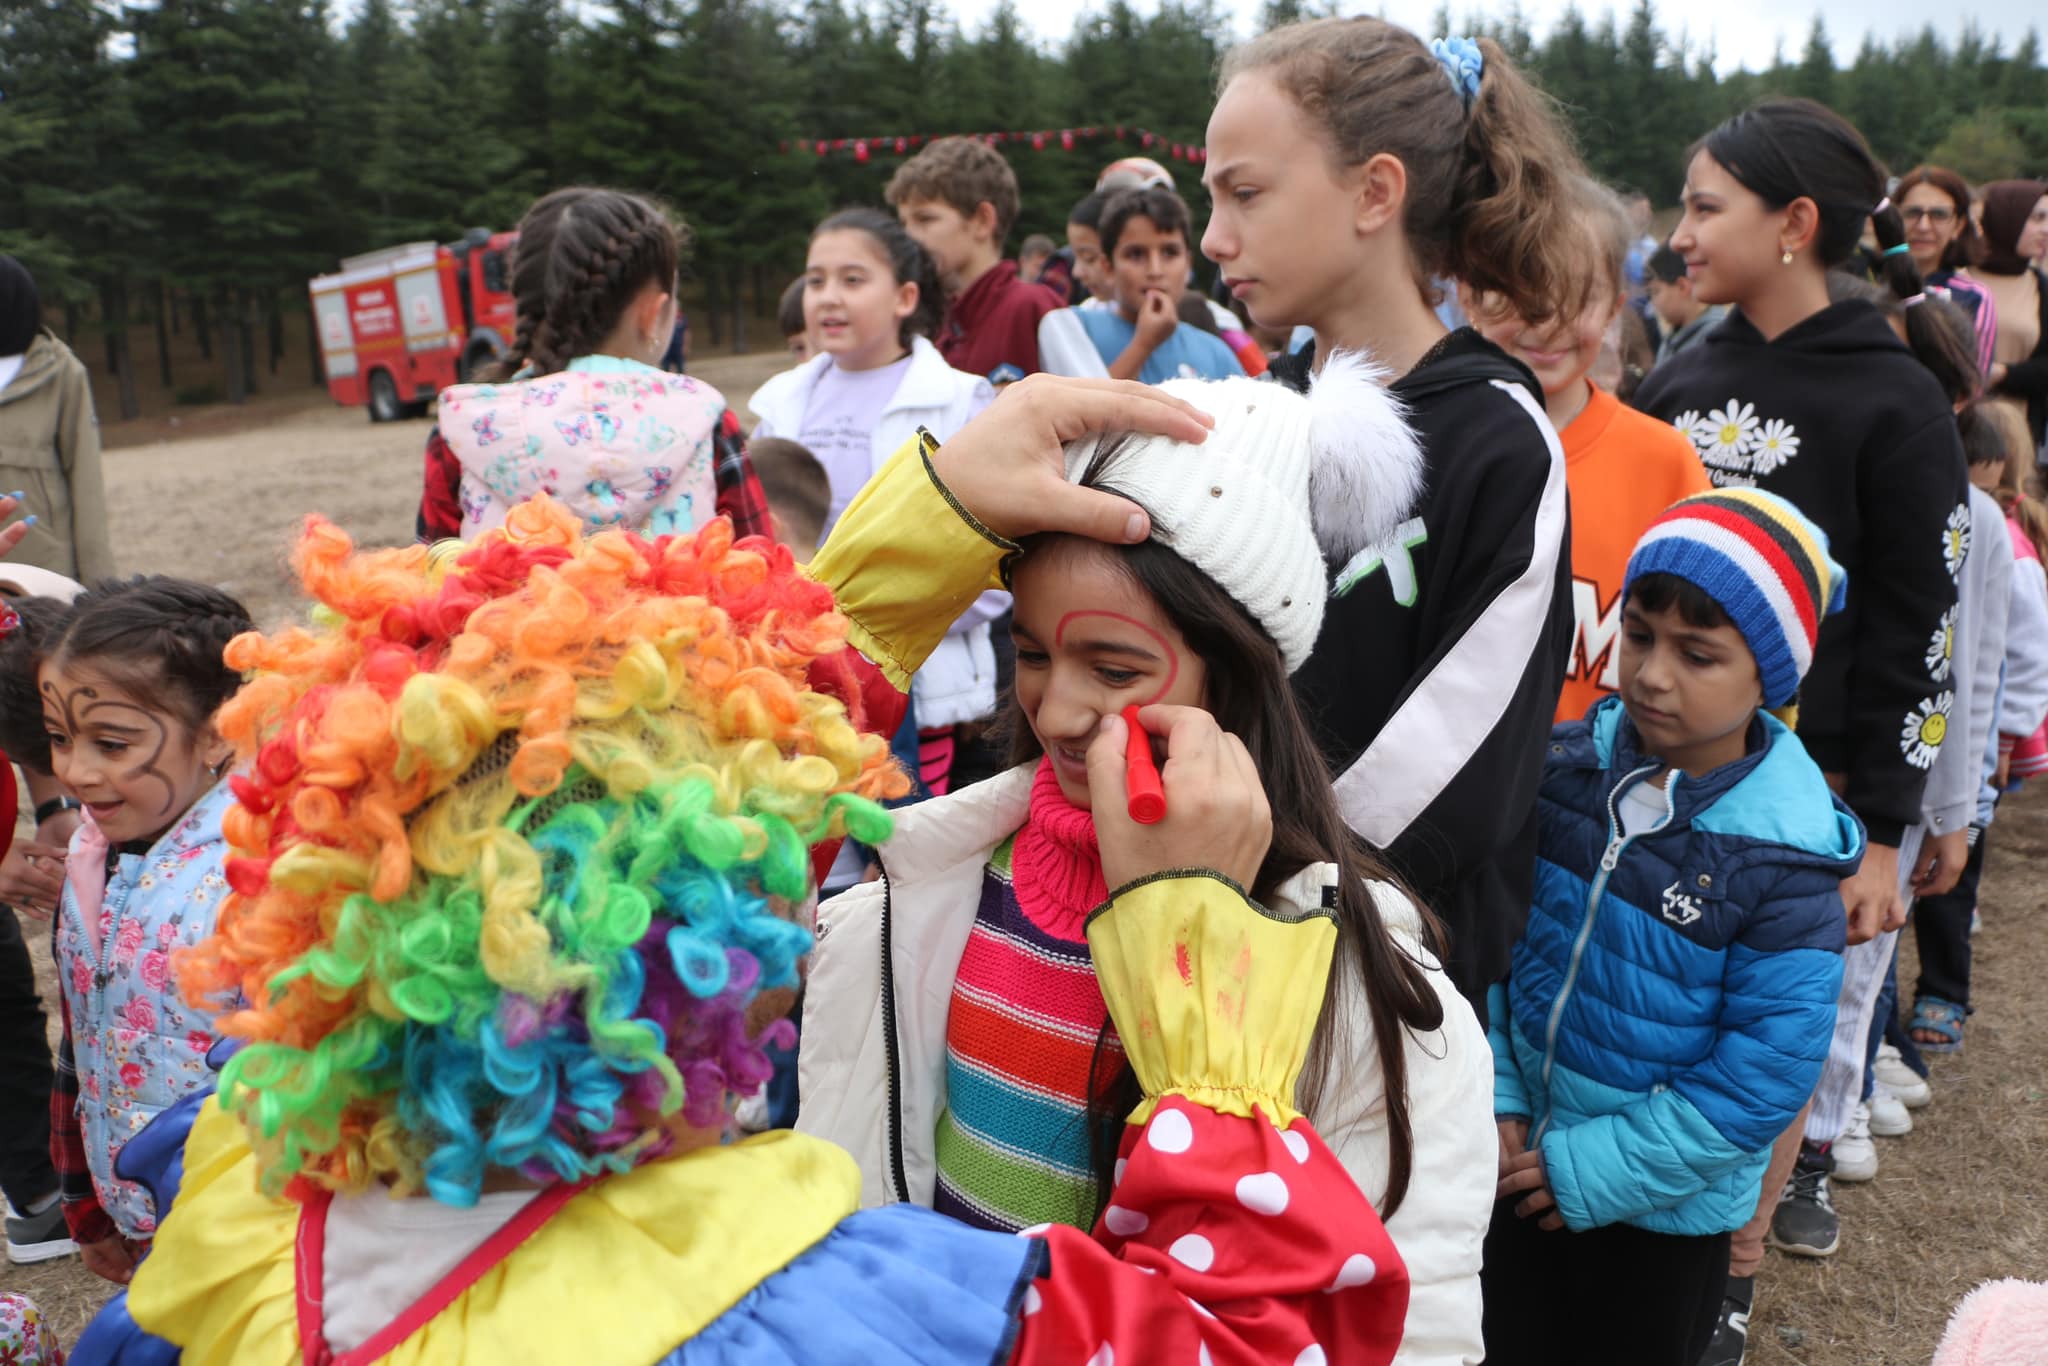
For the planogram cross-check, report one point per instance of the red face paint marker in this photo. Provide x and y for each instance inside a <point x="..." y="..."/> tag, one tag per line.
<point x="1141" y="775"/>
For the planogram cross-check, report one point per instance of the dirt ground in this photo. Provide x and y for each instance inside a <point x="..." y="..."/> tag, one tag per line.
<point x="1962" y="1199"/>
<point x="219" y="493"/>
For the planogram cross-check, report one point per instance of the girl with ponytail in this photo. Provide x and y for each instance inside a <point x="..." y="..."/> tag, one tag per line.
<point x="579" y="408"/>
<point x="1353" y="166"/>
<point x="1821" y="403"/>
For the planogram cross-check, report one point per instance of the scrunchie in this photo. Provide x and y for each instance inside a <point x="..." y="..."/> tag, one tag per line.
<point x="1463" y="62"/>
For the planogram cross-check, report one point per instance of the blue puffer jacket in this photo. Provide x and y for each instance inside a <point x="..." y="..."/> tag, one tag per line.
<point x="1668" y="1008"/>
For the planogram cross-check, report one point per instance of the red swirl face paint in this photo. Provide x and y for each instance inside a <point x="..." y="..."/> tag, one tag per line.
<point x="1166" y="651"/>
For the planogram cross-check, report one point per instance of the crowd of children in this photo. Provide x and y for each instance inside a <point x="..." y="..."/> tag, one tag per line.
<point x="1547" y="771"/>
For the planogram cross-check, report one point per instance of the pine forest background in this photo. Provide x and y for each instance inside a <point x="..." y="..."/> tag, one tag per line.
<point x="192" y="163"/>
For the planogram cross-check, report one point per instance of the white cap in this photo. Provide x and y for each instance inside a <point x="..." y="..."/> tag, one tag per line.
<point x="1284" y="483"/>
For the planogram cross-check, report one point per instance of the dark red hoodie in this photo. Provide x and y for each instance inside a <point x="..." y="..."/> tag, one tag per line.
<point x="995" y="322"/>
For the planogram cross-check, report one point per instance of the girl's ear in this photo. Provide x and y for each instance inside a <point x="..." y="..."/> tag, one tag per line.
<point x="907" y="294"/>
<point x="1800" y="227"/>
<point x="1382" y="184"/>
<point x="214" y="751"/>
<point x="652" y="321"/>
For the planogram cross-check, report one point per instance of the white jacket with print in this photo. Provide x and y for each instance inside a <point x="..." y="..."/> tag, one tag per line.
<point x="873" y="1067"/>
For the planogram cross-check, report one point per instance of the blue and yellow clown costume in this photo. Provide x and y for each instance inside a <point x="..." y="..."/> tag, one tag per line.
<point x="521" y="863"/>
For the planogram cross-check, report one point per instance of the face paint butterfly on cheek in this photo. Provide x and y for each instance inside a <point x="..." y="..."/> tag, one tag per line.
<point x="574" y="432"/>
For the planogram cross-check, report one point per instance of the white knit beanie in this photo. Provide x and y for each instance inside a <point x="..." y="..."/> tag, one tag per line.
<point x="1284" y="483"/>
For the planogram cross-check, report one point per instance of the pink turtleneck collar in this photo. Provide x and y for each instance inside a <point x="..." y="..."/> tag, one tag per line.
<point x="1055" y="865"/>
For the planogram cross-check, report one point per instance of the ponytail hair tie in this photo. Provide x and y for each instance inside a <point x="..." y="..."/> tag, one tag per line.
<point x="1899" y="250"/>
<point x="1919" y="298"/>
<point x="1882" y="205"/>
<point x="1463" y="62"/>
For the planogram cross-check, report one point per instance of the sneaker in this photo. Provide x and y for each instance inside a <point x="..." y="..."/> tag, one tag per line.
<point x="1889" y="1117"/>
<point x="1855" y="1155"/>
<point x="1730" y="1342"/>
<point x="38" y="1237"/>
<point x="1892" y="1073"/>
<point x="1805" y="1223"/>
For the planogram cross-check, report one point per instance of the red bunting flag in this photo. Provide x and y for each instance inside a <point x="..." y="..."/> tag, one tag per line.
<point x="901" y="144"/>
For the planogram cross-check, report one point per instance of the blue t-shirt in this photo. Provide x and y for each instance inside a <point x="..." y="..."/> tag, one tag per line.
<point x="1190" y="353"/>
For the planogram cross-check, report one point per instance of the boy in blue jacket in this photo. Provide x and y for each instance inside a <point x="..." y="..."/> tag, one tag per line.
<point x="1668" y="1009"/>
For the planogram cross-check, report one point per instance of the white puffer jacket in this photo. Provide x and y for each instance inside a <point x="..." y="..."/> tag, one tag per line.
<point x="958" y="682"/>
<point x="873" y="1066"/>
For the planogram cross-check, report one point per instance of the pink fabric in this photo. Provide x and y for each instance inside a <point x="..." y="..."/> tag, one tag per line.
<point x="86" y="868"/>
<point x="2000" y="1323"/>
<point x="2029" y="753"/>
<point x="1055" y="864"/>
<point x="2022" y="544"/>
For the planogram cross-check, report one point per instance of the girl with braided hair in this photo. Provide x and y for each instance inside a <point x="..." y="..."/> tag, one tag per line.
<point x="580" y="409"/>
<point x="128" y="683"/>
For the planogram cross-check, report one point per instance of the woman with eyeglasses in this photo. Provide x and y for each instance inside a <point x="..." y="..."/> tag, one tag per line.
<point x="1935" y="202"/>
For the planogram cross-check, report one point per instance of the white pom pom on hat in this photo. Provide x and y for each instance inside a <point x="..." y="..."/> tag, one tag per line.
<point x="1284" y="483"/>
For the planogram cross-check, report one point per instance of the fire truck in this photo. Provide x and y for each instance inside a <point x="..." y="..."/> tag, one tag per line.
<point x="397" y="326"/>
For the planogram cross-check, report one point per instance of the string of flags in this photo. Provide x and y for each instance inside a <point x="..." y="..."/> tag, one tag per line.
<point x="1038" y="140"/>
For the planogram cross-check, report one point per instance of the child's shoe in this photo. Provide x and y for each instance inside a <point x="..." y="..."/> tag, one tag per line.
<point x="1889" y="1117"/>
<point x="39" y="1237"/>
<point x="1730" y="1342"/>
<point x="1909" y="1086"/>
<point x="1855" y="1155"/>
<point x="1805" y="1223"/>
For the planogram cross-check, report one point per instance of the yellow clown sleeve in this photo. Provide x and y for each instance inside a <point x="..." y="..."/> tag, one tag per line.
<point x="905" y="560"/>
<point x="1214" y="997"/>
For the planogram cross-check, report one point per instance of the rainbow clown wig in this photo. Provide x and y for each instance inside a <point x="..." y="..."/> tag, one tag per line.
<point x="522" y="830"/>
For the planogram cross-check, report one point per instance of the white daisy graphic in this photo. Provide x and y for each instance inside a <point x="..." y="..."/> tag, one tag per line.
<point x="1925" y="727"/>
<point x="1773" y="446"/>
<point x="1941" y="648"/>
<point x="1688" y="424"/>
<point x="1730" y="433"/>
<point x="1955" y="539"/>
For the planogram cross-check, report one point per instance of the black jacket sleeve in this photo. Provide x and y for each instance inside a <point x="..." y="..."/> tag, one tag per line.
<point x="1448" y="785"/>
<point x="1915" y="517"/>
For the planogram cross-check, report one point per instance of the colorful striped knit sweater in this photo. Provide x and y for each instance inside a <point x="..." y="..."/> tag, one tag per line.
<point x="1012" y="1143"/>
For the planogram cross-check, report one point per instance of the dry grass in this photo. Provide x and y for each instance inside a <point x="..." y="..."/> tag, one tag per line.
<point x="1962" y="1199"/>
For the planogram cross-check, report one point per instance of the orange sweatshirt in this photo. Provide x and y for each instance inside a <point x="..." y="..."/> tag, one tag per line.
<point x="1622" y="468"/>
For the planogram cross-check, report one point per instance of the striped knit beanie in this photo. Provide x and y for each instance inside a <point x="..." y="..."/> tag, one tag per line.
<point x="1763" y="562"/>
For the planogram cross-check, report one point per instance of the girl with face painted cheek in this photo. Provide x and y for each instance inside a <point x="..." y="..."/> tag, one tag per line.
<point x="128" y="684"/>
<point x="988" y="1038"/>
<point x="1350" y="165"/>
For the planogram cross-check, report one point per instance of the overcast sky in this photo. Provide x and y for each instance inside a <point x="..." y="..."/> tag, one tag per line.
<point x="1744" y="32"/>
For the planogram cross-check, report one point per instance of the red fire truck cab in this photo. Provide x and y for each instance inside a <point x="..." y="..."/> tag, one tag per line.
<point x="397" y="326"/>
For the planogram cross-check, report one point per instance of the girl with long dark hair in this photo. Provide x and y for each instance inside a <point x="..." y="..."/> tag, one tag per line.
<point x="954" y="1035"/>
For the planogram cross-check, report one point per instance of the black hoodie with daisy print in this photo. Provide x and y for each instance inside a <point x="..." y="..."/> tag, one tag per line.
<point x="1838" y="417"/>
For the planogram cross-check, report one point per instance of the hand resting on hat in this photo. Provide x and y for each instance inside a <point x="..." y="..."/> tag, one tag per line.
<point x="1008" y="469"/>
